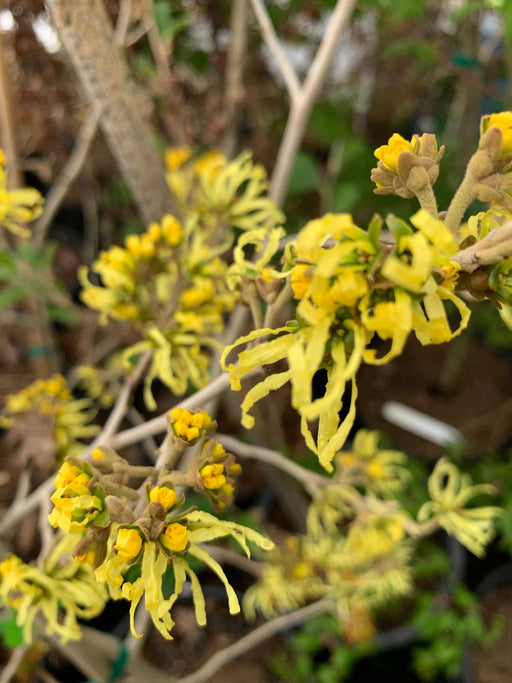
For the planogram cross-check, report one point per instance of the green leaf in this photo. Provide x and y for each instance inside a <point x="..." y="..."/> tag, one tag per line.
<point x="168" y="24"/>
<point x="305" y="176"/>
<point x="10" y="633"/>
<point x="346" y="196"/>
<point x="326" y="123"/>
<point x="11" y="295"/>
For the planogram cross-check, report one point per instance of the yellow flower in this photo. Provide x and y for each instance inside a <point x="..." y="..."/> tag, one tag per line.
<point x="213" y="476"/>
<point x="301" y="276"/>
<point x="164" y="495"/>
<point x="175" y="157"/>
<point x="209" y="164"/>
<point x="19" y="206"/>
<point x="345" y="289"/>
<point x="175" y="537"/>
<point x="128" y="543"/>
<point x="450" y="492"/>
<point x="388" y="154"/>
<point x="56" y="597"/>
<point x="172" y="230"/>
<point x="503" y="121"/>
<point x="189" y="425"/>
<point x="70" y="473"/>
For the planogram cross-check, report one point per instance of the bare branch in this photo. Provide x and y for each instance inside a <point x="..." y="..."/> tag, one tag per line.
<point x="310" y="480"/>
<point x="276" y="50"/>
<point x="303" y="103"/>
<point x="240" y="647"/>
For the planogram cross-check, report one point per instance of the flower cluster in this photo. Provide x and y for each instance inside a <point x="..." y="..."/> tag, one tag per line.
<point x="359" y="545"/>
<point x="63" y="592"/>
<point x="356" y="552"/>
<point x="170" y="286"/>
<point x="219" y="191"/>
<point x="17" y="207"/>
<point x="450" y="492"/>
<point x="351" y="289"/>
<point x="52" y="398"/>
<point x="78" y="501"/>
<point x="407" y="167"/>
<point x="366" y="465"/>
<point x="133" y="539"/>
<point x="189" y="426"/>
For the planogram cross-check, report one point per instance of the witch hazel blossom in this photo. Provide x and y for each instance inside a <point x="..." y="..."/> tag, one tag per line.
<point x="349" y="290"/>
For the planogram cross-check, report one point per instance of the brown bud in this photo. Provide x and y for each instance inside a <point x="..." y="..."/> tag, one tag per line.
<point x="151" y="528"/>
<point x="119" y="512"/>
<point x="418" y="179"/>
<point x="491" y="141"/>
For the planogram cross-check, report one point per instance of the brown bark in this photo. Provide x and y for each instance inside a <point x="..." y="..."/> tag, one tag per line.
<point x="86" y="32"/>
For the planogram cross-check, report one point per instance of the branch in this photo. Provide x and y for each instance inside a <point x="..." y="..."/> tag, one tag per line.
<point x="82" y="146"/>
<point x="121" y="406"/>
<point x="310" y="480"/>
<point x="246" y="643"/>
<point x="234" y="86"/>
<point x="303" y="102"/>
<point x="276" y="50"/>
<point x="67" y="175"/>
<point x="494" y="247"/>
<point x="11" y="668"/>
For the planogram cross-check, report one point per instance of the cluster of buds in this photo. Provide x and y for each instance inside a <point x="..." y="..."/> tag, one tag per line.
<point x="215" y="473"/>
<point x="186" y="427"/>
<point x="158" y="524"/>
<point x="407" y="168"/>
<point x="488" y="170"/>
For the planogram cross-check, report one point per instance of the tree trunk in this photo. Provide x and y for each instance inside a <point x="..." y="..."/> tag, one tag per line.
<point x="86" y="32"/>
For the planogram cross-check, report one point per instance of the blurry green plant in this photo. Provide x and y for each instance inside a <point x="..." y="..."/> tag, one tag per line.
<point x="448" y="625"/>
<point x="27" y="271"/>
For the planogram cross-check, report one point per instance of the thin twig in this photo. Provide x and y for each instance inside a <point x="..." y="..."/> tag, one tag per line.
<point x="158" y="425"/>
<point x="310" y="480"/>
<point x="46" y="532"/>
<point x="121" y="406"/>
<point x="123" y="21"/>
<point x="67" y="176"/>
<point x="276" y="50"/>
<point x="282" y="298"/>
<point x="12" y="665"/>
<point x="248" y="642"/>
<point x="231" y="557"/>
<point x="303" y="103"/>
<point x="234" y="86"/>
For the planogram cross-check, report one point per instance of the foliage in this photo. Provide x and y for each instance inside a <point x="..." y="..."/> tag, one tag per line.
<point x="448" y="625"/>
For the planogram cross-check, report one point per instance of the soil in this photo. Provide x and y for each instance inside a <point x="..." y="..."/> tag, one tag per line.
<point x="464" y="384"/>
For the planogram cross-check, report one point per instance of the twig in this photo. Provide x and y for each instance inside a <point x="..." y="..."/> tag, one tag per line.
<point x="246" y="643"/>
<point x="284" y="295"/>
<point x="12" y="665"/>
<point x="121" y="406"/>
<point x="26" y="505"/>
<point x="228" y="556"/>
<point x="67" y="175"/>
<point x="149" y="443"/>
<point x="494" y="247"/>
<point x="276" y="50"/>
<point x="123" y="21"/>
<point x="303" y="102"/>
<point x="47" y="536"/>
<point x="158" y="425"/>
<point x="234" y="87"/>
<point x="310" y="480"/>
